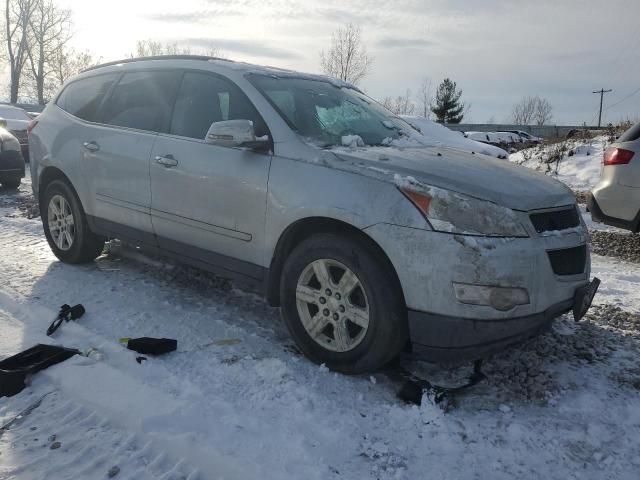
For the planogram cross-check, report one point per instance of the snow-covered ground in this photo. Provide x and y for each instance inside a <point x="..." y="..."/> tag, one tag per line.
<point x="237" y="402"/>
<point x="579" y="166"/>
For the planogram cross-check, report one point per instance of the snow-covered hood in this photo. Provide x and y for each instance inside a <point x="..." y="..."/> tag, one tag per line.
<point x="478" y="176"/>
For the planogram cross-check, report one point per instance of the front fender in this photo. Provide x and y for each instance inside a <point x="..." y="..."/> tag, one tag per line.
<point x="301" y="189"/>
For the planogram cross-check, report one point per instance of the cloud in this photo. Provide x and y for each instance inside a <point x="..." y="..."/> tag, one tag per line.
<point x="342" y="16"/>
<point x="196" y="16"/>
<point x="248" y="47"/>
<point x="397" y="42"/>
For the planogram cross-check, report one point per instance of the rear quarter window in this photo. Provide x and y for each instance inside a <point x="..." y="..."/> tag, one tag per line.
<point x="82" y="98"/>
<point x="631" y="135"/>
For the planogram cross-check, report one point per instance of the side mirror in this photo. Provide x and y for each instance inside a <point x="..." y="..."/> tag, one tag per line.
<point x="3" y="123"/>
<point x="235" y="133"/>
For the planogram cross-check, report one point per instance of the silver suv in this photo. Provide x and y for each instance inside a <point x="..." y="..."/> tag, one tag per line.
<point x="369" y="239"/>
<point x="615" y="200"/>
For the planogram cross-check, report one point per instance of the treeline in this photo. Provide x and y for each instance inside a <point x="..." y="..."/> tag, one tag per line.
<point x="37" y="36"/>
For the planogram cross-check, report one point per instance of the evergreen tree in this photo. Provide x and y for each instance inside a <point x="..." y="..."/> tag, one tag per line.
<point x="448" y="108"/>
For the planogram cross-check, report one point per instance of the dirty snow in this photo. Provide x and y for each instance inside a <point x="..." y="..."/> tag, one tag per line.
<point x="236" y="401"/>
<point x="579" y="165"/>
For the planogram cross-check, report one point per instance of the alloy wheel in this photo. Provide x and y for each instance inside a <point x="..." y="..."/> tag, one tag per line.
<point x="332" y="305"/>
<point x="61" y="222"/>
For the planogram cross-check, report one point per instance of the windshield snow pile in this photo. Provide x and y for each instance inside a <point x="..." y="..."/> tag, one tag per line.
<point x="448" y="138"/>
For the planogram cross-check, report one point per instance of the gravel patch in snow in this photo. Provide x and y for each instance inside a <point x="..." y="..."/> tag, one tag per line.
<point x="616" y="244"/>
<point x="581" y="196"/>
<point x="529" y="371"/>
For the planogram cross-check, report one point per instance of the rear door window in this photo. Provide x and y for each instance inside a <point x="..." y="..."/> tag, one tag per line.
<point x="82" y="98"/>
<point x="631" y="135"/>
<point x="142" y="100"/>
<point x="204" y="99"/>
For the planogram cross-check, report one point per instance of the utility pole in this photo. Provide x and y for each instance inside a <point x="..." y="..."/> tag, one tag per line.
<point x="601" y="92"/>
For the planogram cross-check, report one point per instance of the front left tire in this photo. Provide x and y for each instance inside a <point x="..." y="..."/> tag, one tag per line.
<point x="66" y="227"/>
<point x="341" y="305"/>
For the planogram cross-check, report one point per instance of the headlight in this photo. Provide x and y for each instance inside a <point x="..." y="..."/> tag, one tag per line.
<point x="10" y="143"/>
<point x="452" y="212"/>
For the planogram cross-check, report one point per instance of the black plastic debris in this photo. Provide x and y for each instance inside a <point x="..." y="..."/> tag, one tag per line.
<point x="584" y="298"/>
<point x="66" y="313"/>
<point x="152" y="346"/>
<point x="14" y="370"/>
<point x="414" y="389"/>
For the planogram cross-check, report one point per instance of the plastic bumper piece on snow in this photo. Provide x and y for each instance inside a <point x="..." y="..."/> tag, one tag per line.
<point x="14" y="370"/>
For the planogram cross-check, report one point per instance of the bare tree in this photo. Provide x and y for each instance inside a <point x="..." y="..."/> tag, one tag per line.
<point x="16" y="35"/>
<point x="543" y="113"/>
<point x="347" y="58"/>
<point x="152" y="48"/>
<point x="68" y="62"/>
<point x="530" y="110"/>
<point x="401" y="105"/>
<point x="387" y="102"/>
<point x="50" y="31"/>
<point x="523" y="111"/>
<point x="425" y="99"/>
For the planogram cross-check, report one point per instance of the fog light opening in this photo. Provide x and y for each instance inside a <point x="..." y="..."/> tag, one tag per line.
<point x="499" y="298"/>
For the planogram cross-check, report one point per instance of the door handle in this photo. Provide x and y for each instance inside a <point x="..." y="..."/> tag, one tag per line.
<point x="91" y="146"/>
<point x="167" y="161"/>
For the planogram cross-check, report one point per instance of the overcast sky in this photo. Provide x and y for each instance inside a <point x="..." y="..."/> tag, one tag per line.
<point x="497" y="51"/>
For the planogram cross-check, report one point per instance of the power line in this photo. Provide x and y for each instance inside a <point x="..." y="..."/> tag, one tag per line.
<point x="623" y="99"/>
<point x="602" y="91"/>
<point x="631" y="45"/>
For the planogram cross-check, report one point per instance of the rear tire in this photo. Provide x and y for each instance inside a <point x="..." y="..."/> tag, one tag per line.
<point x="353" y="319"/>
<point x="65" y="225"/>
<point x="11" y="183"/>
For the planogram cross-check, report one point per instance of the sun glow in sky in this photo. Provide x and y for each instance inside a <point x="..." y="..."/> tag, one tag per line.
<point x="496" y="50"/>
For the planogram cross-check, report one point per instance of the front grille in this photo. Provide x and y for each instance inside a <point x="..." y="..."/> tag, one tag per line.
<point x="568" y="261"/>
<point x="555" y="220"/>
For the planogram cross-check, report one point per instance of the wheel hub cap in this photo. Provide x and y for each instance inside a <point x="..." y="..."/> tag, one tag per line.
<point x="332" y="305"/>
<point x="61" y="222"/>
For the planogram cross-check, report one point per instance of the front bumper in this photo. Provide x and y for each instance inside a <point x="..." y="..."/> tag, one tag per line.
<point x="11" y="164"/>
<point x="599" y="216"/>
<point x="429" y="263"/>
<point x="444" y="339"/>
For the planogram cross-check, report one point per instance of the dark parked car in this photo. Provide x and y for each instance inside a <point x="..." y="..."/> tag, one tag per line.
<point x="11" y="161"/>
<point x="17" y="123"/>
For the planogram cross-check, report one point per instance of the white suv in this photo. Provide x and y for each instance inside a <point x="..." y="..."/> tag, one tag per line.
<point x="370" y="240"/>
<point x="615" y="200"/>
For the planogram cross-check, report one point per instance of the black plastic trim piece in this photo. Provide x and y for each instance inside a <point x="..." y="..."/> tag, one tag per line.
<point x="443" y="338"/>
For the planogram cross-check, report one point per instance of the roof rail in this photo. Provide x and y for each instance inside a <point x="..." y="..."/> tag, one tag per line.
<point x="156" y="57"/>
